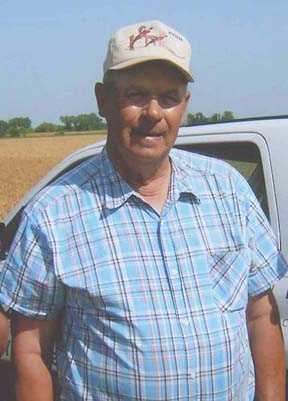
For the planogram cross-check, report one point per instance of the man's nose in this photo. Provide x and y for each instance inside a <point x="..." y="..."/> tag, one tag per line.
<point x="153" y="110"/>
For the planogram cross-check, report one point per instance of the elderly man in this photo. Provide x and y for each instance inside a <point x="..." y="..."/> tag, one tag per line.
<point x="152" y="268"/>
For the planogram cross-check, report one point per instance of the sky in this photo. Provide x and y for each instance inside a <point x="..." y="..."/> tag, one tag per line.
<point x="52" y="52"/>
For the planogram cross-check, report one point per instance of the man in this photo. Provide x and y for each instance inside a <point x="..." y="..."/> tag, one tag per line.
<point x="144" y="263"/>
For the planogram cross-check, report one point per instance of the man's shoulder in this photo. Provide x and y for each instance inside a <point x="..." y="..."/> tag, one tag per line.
<point x="71" y="183"/>
<point x="202" y="164"/>
<point x="207" y="172"/>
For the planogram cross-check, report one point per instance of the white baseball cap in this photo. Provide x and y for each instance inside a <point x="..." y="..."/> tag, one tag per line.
<point x="147" y="41"/>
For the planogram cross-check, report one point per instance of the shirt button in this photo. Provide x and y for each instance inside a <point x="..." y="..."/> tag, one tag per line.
<point x="174" y="272"/>
<point x="185" y="322"/>
<point x="192" y="375"/>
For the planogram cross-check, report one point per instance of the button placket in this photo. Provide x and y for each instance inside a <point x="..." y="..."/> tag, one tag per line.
<point x="169" y="241"/>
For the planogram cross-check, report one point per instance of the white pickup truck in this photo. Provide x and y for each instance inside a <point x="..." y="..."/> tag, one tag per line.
<point x="256" y="147"/>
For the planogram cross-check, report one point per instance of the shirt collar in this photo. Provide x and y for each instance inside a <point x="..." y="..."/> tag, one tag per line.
<point x="184" y="180"/>
<point x="117" y="191"/>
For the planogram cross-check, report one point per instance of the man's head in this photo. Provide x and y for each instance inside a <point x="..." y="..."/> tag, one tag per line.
<point x="144" y="98"/>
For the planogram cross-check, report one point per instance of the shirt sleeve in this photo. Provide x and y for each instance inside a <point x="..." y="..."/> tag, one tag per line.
<point x="267" y="262"/>
<point x="28" y="282"/>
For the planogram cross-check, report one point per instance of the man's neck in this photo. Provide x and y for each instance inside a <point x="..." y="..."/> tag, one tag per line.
<point x="155" y="190"/>
<point x="150" y="181"/>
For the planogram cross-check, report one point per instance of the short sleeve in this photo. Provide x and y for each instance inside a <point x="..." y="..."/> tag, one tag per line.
<point x="267" y="262"/>
<point x="28" y="282"/>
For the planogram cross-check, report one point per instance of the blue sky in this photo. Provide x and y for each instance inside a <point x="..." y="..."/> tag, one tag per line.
<point x="52" y="53"/>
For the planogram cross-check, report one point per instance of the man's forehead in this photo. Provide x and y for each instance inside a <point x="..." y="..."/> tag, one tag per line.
<point x="151" y="86"/>
<point x="150" y="74"/>
<point x="154" y="67"/>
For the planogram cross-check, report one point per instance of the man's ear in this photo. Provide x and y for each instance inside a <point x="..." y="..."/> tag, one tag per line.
<point x="186" y="100"/>
<point x="187" y="97"/>
<point x="100" y="97"/>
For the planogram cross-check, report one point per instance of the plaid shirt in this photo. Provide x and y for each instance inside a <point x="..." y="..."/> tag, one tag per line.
<point x="153" y="306"/>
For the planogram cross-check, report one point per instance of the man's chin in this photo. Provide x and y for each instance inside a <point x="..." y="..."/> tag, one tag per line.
<point x="148" y="154"/>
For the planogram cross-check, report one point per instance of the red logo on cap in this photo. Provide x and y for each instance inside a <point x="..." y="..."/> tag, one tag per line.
<point x="145" y="33"/>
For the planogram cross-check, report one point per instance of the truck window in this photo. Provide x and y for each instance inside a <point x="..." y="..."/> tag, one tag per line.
<point x="245" y="157"/>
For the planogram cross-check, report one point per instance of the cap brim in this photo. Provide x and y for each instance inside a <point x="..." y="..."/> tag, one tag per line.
<point x="139" y="60"/>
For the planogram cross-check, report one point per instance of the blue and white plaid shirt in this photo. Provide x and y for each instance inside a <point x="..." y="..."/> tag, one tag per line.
<point x="153" y="306"/>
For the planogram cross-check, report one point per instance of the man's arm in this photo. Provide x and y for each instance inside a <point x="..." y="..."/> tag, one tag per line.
<point x="32" y="350"/>
<point x="267" y="347"/>
<point x="4" y="330"/>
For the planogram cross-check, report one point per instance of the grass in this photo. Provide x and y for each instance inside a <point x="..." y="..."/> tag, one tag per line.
<point x="24" y="161"/>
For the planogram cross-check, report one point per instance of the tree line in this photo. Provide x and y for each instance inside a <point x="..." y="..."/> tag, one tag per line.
<point x="200" y="118"/>
<point x="87" y="122"/>
<point x="23" y="125"/>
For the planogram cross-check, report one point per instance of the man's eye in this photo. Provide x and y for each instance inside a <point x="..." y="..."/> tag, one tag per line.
<point x="140" y="99"/>
<point x="137" y="98"/>
<point x="169" y="100"/>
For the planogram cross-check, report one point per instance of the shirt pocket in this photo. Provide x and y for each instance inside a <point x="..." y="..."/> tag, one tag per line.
<point x="229" y="275"/>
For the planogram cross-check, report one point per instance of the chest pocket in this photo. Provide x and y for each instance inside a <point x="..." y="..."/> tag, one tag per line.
<point x="229" y="274"/>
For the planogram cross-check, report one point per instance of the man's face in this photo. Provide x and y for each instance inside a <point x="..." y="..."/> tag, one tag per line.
<point x="144" y="110"/>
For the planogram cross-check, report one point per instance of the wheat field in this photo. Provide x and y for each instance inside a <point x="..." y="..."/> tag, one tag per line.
<point x="24" y="161"/>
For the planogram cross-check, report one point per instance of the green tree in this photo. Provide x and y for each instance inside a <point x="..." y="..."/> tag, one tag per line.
<point x="3" y="128"/>
<point x="190" y="119"/>
<point x="215" y="117"/>
<point x="68" y="122"/>
<point x="227" y="116"/>
<point x="82" y="122"/>
<point x="46" y="127"/>
<point x="14" y="132"/>
<point x="197" y="118"/>
<point x="200" y="117"/>
<point x="20" y="122"/>
<point x="86" y="122"/>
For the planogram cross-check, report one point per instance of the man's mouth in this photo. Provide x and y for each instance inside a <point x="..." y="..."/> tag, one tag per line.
<point x="143" y="133"/>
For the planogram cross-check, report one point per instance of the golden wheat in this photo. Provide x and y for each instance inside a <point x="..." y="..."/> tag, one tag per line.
<point x="24" y="161"/>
